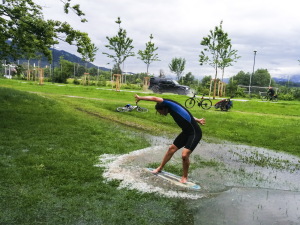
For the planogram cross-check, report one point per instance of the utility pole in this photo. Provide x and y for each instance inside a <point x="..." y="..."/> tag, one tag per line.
<point x="252" y="75"/>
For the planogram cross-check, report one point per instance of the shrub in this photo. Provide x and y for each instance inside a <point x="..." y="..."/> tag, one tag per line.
<point x="287" y="97"/>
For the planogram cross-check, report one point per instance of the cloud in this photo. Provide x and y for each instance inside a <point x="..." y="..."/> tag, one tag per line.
<point x="178" y="26"/>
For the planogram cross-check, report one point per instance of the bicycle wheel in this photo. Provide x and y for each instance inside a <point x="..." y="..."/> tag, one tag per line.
<point x="264" y="98"/>
<point x="274" y="99"/>
<point x="206" y="104"/>
<point x="141" y="109"/>
<point x="122" y="109"/>
<point x="189" y="103"/>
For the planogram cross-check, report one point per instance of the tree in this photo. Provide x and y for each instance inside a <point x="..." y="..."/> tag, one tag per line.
<point x="177" y="66"/>
<point x="24" y="31"/>
<point x="188" y="79"/>
<point x="262" y="78"/>
<point x="148" y="54"/>
<point x="215" y="44"/>
<point x="227" y="56"/>
<point x="121" y="45"/>
<point x="242" y="78"/>
<point x="64" y="71"/>
<point x="162" y="73"/>
<point x="205" y="82"/>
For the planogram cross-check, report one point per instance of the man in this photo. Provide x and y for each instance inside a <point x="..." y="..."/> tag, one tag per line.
<point x="271" y="93"/>
<point x="189" y="137"/>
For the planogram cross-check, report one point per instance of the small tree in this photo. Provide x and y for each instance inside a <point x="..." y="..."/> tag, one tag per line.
<point x="162" y="73"/>
<point x="227" y="56"/>
<point x="177" y="66"/>
<point x="215" y="43"/>
<point x="148" y="55"/>
<point x="121" y="45"/>
<point x="188" y="79"/>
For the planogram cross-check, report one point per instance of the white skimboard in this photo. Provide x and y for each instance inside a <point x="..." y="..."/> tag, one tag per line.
<point x="174" y="179"/>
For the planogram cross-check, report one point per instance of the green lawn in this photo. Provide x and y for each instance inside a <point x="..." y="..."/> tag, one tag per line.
<point x="51" y="137"/>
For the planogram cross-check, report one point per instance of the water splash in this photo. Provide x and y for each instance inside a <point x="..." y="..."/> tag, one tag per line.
<point x="120" y="167"/>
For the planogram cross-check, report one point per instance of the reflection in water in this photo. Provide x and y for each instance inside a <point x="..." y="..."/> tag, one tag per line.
<point x="240" y="184"/>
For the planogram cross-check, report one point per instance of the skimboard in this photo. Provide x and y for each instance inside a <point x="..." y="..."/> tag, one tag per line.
<point x="174" y="179"/>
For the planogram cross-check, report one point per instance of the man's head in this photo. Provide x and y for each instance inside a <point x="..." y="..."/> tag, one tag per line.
<point x="161" y="108"/>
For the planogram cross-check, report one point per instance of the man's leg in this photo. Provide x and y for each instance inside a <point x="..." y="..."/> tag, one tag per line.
<point x="185" y="164"/>
<point x="172" y="149"/>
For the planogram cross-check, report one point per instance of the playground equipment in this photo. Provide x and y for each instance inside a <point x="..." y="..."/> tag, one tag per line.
<point x="86" y="79"/>
<point x="117" y="81"/>
<point x="34" y="73"/>
<point x="146" y="83"/>
<point x="220" y="88"/>
<point x="8" y="69"/>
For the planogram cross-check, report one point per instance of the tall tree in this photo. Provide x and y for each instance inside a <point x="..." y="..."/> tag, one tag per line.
<point x="121" y="45"/>
<point x="188" y="79"/>
<point x="214" y="44"/>
<point x="242" y="78"/>
<point x="148" y="55"/>
<point x="177" y="66"/>
<point x="24" y="31"/>
<point x="262" y="78"/>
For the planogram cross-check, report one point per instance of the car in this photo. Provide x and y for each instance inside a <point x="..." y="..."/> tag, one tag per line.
<point x="163" y="85"/>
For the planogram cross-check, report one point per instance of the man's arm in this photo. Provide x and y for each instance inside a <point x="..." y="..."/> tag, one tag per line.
<point x="148" y="98"/>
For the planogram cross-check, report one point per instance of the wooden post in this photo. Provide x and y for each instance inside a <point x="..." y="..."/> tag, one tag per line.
<point x="86" y="79"/>
<point x="28" y="74"/>
<point x="146" y="83"/>
<point x="118" y="78"/>
<point x="41" y="76"/>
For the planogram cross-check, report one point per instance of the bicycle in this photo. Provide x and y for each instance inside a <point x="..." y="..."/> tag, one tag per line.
<point x="129" y="108"/>
<point x="204" y="103"/>
<point x="265" y="97"/>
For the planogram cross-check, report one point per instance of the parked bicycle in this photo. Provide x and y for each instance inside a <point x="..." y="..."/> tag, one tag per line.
<point x="129" y="108"/>
<point x="202" y="102"/>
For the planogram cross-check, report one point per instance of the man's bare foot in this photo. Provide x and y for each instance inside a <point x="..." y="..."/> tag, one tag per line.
<point x="156" y="171"/>
<point x="183" y="180"/>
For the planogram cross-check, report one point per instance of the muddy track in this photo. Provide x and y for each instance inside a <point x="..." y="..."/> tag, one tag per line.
<point x="126" y="123"/>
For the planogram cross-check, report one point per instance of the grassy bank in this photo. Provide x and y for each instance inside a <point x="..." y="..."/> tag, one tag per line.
<point x="263" y="124"/>
<point x="51" y="137"/>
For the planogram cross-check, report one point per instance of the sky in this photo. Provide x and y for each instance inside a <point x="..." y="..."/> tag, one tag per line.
<point x="270" y="27"/>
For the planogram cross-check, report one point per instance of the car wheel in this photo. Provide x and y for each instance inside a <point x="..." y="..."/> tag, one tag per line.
<point x="155" y="89"/>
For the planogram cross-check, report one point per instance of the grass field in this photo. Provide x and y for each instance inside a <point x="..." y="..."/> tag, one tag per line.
<point x="51" y="136"/>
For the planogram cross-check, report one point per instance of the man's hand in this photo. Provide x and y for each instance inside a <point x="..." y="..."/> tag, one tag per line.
<point x="137" y="98"/>
<point x="201" y="121"/>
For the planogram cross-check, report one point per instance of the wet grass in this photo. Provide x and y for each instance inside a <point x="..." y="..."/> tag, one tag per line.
<point x="50" y="141"/>
<point x="47" y="155"/>
<point x="262" y="160"/>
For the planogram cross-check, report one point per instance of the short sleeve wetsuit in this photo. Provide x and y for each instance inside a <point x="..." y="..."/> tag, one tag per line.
<point x="191" y="132"/>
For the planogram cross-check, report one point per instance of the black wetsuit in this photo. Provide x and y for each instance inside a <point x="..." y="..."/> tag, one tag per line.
<point x="191" y="132"/>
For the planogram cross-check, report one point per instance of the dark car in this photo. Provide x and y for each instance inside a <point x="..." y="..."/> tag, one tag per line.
<point x="162" y="85"/>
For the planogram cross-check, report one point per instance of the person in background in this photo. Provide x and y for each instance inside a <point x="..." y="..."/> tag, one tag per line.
<point x="271" y="92"/>
<point x="188" y="139"/>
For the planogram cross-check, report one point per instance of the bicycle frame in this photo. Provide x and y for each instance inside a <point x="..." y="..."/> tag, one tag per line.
<point x="202" y="102"/>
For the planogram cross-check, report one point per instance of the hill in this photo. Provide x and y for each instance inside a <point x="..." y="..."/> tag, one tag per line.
<point x="56" y="56"/>
<point x="293" y="80"/>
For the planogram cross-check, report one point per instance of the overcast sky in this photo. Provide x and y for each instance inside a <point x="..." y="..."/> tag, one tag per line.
<point x="271" y="27"/>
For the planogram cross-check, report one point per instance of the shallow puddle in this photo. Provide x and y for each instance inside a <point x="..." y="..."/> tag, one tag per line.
<point x="240" y="184"/>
